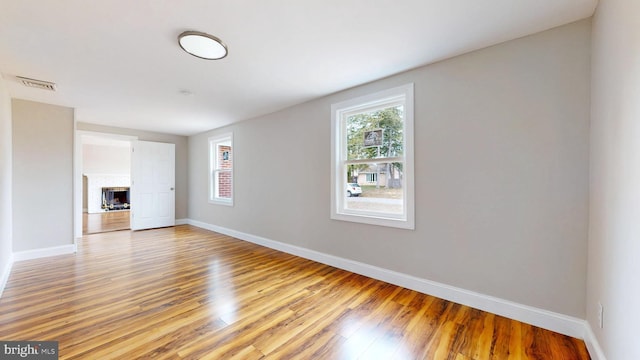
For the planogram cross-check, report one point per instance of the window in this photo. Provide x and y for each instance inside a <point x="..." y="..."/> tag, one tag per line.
<point x="221" y="169"/>
<point x="372" y="145"/>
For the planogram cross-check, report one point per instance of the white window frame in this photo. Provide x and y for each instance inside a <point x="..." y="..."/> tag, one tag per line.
<point x="339" y="113"/>
<point x="214" y="168"/>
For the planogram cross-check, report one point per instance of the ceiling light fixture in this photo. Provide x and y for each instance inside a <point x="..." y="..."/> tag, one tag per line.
<point x="202" y="45"/>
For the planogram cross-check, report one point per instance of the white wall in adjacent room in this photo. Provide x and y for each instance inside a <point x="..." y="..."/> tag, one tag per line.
<point x="102" y="159"/>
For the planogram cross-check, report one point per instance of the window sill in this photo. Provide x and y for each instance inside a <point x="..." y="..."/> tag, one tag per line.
<point x="375" y="220"/>
<point x="221" y="202"/>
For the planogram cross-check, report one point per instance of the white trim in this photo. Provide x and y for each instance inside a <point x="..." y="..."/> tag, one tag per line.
<point x="111" y="136"/>
<point x="45" y="252"/>
<point x="4" y="276"/>
<point x="545" y="319"/>
<point x="592" y="343"/>
<point x="182" y="221"/>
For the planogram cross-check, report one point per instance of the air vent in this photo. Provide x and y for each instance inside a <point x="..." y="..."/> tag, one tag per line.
<point x="40" y="84"/>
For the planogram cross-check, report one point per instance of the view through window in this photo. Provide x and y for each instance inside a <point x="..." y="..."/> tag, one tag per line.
<point x="221" y="169"/>
<point x="373" y="159"/>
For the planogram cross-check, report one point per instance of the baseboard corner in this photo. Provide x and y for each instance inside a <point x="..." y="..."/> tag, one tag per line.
<point x="4" y="276"/>
<point x="591" y="341"/>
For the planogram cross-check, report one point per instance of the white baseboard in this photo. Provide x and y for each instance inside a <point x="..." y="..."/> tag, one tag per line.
<point x="182" y="221"/>
<point x="592" y="343"/>
<point x="545" y="319"/>
<point x="4" y="276"/>
<point x="46" y="252"/>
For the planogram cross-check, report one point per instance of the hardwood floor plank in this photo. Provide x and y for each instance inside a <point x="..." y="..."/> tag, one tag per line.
<point x="166" y="339"/>
<point x="482" y="339"/>
<point x="308" y="314"/>
<point x="419" y="330"/>
<point x="516" y="349"/>
<point x="105" y="222"/>
<point x="188" y="293"/>
<point x="500" y="339"/>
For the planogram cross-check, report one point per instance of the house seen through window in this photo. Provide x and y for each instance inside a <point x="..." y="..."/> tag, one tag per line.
<point x="221" y="169"/>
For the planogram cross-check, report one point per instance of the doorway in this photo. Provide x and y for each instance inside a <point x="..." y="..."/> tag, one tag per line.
<point x="105" y="168"/>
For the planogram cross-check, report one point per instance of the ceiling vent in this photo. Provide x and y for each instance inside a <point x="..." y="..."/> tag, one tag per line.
<point x="40" y="84"/>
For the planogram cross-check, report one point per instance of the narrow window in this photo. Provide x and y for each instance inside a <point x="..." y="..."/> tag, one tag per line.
<point x="221" y="169"/>
<point x="372" y="147"/>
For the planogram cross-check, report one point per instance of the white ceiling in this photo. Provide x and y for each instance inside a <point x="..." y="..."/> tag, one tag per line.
<point x="117" y="62"/>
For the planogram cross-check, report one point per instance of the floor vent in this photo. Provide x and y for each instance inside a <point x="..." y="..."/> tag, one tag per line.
<point x="40" y="84"/>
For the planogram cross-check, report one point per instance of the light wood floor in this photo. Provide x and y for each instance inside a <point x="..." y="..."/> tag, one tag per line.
<point x="189" y="293"/>
<point x="104" y="222"/>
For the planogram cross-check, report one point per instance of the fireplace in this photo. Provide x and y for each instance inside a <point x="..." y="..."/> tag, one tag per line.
<point x="115" y="198"/>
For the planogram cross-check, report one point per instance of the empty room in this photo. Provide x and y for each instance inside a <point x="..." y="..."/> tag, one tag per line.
<point x="319" y="179"/>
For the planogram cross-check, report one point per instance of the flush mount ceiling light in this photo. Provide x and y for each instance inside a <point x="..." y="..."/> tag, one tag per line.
<point x="202" y="45"/>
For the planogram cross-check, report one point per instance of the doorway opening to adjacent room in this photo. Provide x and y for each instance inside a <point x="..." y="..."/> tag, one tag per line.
<point x="106" y="180"/>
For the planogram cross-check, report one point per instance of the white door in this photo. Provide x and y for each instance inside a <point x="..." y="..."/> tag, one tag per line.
<point x="152" y="185"/>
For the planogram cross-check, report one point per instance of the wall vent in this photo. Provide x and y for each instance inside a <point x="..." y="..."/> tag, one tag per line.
<point x="40" y="84"/>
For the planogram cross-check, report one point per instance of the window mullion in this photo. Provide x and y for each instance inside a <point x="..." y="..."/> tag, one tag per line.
<point x="375" y="160"/>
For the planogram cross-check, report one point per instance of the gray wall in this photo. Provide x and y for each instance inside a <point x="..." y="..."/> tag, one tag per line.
<point x="501" y="174"/>
<point x="181" y="157"/>
<point x="5" y="181"/>
<point x="614" y="224"/>
<point x="42" y="175"/>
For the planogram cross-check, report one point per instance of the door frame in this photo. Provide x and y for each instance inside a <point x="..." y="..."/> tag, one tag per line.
<point x="77" y="175"/>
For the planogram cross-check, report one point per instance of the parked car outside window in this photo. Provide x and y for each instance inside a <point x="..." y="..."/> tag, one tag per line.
<point x="353" y="189"/>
